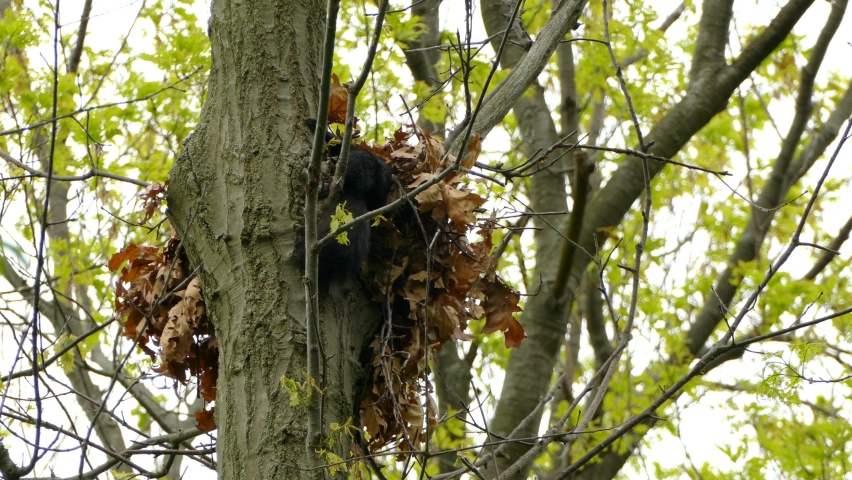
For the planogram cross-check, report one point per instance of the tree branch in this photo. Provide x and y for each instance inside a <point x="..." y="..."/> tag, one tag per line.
<point x="501" y="100"/>
<point x="709" y="56"/>
<point x="826" y="256"/>
<point x="785" y="173"/>
<point x="764" y="44"/>
<point x="77" y="53"/>
<point x="65" y="178"/>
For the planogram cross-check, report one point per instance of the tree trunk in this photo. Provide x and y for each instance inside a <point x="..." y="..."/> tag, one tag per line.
<point x="236" y="200"/>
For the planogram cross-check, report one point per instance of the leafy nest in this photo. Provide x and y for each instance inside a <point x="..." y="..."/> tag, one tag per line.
<point x="431" y="278"/>
<point x="433" y="281"/>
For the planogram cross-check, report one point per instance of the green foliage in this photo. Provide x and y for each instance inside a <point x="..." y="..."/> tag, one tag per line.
<point x="785" y="372"/>
<point x="340" y="434"/>
<point x="300" y="392"/>
<point x="340" y="217"/>
<point x="450" y="434"/>
<point x="122" y="475"/>
<point x="138" y="139"/>
<point x="121" y="133"/>
<point x="66" y="361"/>
<point x="404" y="29"/>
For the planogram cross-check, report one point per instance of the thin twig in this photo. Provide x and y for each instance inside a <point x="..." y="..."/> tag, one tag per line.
<point x="647" y="156"/>
<point x="75" y="178"/>
<point x="56" y="356"/>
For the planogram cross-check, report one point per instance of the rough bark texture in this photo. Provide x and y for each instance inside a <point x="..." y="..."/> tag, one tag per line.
<point x="236" y="200"/>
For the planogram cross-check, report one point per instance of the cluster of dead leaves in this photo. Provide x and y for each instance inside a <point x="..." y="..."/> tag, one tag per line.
<point x="162" y="309"/>
<point x="437" y="281"/>
<point x="152" y="197"/>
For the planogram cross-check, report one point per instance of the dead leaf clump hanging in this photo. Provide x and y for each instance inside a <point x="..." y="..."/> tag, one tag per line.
<point x="424" y="264"/>
<point x="162" y="308"/>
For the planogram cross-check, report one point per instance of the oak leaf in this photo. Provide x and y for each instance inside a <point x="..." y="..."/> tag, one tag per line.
<point x="337" y="99"/>
<point x="500" y="302"/>
<point x="205" y="420"/>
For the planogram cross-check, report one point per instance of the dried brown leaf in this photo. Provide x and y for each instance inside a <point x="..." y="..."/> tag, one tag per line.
<point x="500" y="302"/>
<point x="205" y="420"/>
<point x="472" y="153"/>
<point x="337" y="100"/>
<point x="460" y="206"/>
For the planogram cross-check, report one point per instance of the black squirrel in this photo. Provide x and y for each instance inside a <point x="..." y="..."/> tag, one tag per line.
<point x="366" y="187"/>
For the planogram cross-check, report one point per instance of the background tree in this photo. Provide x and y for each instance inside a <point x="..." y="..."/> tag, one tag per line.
<point x="720" y="286"/>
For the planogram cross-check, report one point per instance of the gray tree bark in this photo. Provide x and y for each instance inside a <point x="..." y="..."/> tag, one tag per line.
<point x="422" y="63"/>
<point x="236" y="199"/>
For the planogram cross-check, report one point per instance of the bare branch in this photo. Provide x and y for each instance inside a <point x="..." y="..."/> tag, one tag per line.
<point x="56" y="356"/>
<point x="64" y="178"/>
<point x="828" y="256"/>
<point x="77" y="53"/>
